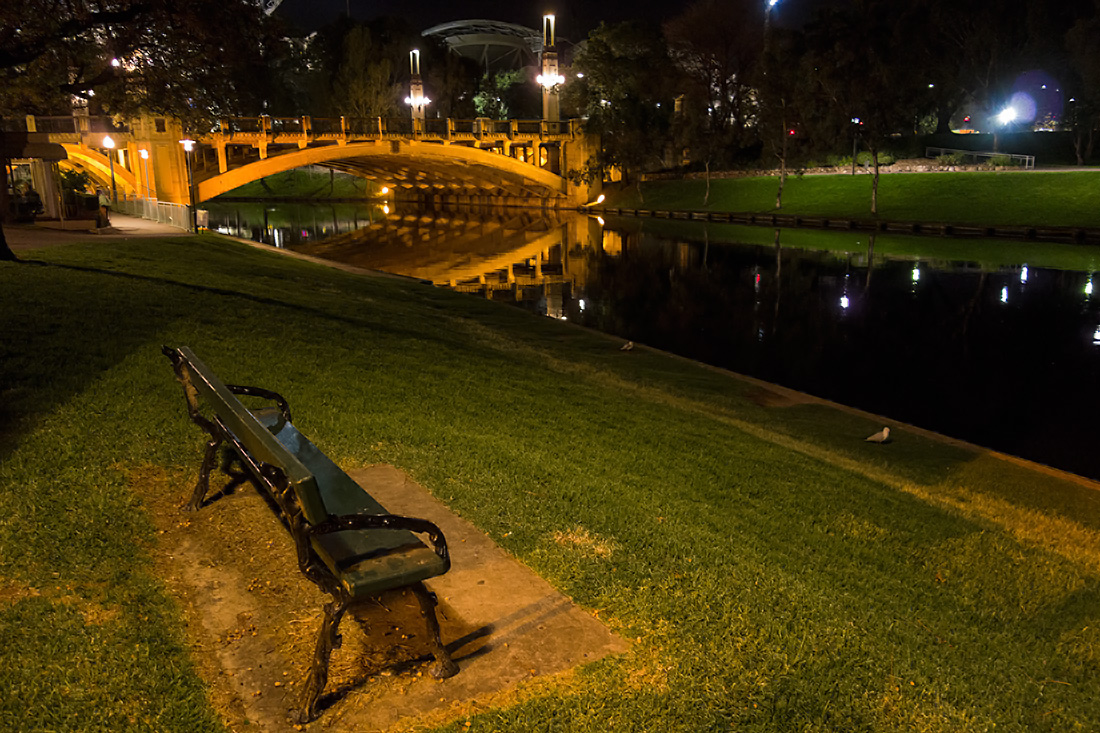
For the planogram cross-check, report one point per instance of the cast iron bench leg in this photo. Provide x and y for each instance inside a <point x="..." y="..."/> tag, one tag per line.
<point x="444" y="665"/>
<point x="318" y="674"/>
<point x="203" y="485"/>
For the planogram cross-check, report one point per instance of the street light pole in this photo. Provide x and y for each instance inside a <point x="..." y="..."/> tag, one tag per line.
<point x="189" y="145"/>
<point x="145" y="163"/>
<point x="109" y="143"/>
<point x="550" y="80"/>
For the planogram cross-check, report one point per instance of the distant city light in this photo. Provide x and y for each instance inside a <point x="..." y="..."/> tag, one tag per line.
<point x="844" y="302"/>
<point x="1088" y="288"/>
<point x="1004" y="294"/>
<point x="1096" y="337"/>
<point x="1023" y="274"/>
<point x="916" y="274"/>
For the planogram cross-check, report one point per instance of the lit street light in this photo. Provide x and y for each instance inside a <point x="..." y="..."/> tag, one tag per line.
<point x="145" y="162"/>
<point x="189" y="145"/>
<point x="109" y="143"/>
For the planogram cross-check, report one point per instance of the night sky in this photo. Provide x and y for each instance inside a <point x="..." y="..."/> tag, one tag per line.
<point x="575" y="18"/>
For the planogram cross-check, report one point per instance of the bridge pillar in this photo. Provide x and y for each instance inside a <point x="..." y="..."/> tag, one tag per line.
<point x="307" y="129"/>
<point x="265" y="136"/>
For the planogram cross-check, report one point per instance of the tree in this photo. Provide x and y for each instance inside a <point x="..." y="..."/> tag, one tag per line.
<point x="717" y="46"/>
<point x="364" y="84"/>
<point x="162" y="56"/>
<point x="507" y="94"/>
<point x="625" y="95"/>
<point x="861" y="76"/>
<point x="1083" y="44"/>
<point x="783" y="88"/>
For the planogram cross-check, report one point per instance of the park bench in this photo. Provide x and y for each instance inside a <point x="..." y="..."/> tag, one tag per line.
<point x="347" y="544"/>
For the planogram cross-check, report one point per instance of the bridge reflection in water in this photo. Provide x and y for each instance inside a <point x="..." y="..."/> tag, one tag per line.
<point x="534" y="257"/>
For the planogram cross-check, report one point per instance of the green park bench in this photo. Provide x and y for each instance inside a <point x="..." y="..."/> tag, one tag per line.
<point x="347" y="543"/>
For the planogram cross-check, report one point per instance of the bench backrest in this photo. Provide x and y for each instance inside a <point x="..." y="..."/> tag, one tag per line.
<point x="257" y="439"/>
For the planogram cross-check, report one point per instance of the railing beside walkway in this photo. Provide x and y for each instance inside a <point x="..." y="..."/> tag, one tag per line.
<point x="1025" y="161"/>
<point x="177" y="215"/>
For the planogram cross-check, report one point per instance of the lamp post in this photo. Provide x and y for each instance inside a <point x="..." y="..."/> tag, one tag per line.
<point x="189" y="145"/>
<point x="109" y="143"/>
<point x="145" y="163"/>
<point x="549" y="79"/>
<point x="768" y="4"/>
<point x="416" y="99"/>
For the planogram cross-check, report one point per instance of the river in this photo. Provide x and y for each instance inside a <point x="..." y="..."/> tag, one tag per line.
<point x="991" y="341"/>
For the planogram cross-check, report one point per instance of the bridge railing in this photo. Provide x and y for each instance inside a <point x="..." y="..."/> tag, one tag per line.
<point x="327" y="125"/>
<point x="286" y="125"/>
<point x="73" y="124"/>
<point x="393" y="127"/>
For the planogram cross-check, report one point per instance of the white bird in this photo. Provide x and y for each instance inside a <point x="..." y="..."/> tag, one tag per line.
<point x="880" y="437"/>
<point x="627" y="346"/>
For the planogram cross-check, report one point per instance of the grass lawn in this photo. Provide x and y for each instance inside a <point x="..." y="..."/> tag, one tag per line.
<point x="305" y="183"/>
<point x="1070" y="198"/>
<point x="776" y="571"/>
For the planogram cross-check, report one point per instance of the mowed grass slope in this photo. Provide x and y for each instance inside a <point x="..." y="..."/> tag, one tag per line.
<point x="1008" y="198"/>
<point x="774" y="571"/>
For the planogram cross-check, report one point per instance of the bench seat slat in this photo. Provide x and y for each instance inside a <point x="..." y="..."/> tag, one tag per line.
<point x="365" y="561"/>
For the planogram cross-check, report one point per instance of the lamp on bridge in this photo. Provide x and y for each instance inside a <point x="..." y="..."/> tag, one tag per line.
<point x="549" y="79"/>
<point x="416" y="98"/>
<point x="109" y="143"/>
<point x="189" y="145"/>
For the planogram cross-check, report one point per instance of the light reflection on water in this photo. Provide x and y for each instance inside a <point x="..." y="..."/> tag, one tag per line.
<point x="996" y="343"/>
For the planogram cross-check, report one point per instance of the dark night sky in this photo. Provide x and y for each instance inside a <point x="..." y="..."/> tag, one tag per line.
<point x="575" y="18"/>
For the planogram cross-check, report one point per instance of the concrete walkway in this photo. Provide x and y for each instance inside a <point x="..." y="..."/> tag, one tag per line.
<point x="22" y="237"/>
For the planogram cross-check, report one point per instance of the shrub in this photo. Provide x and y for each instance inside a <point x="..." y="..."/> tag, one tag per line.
<point x="1003" y="160"/>
<point x="951" y="159"/>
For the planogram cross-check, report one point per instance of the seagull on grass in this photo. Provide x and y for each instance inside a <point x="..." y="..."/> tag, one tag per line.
<point x="883" y="436"/>
<point x="627" y="346"/>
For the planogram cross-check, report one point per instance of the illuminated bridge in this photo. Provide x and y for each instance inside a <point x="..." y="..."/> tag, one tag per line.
<point x="499" y="162"/>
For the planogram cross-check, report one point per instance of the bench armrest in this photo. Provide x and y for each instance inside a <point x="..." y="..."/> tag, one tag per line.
<point x="267" y="394"/>
<point x="385" y="521"/>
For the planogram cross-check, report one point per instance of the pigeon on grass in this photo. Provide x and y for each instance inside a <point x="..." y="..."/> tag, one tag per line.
<point x="883" y="436"/>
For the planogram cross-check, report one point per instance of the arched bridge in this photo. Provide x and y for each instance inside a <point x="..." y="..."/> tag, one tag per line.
<point x="510" y="162"/>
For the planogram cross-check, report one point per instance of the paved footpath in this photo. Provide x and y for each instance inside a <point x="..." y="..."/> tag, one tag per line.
<point x="22" y="237"/>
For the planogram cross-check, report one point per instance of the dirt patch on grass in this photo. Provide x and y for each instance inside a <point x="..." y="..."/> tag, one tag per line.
<point x="253" y="619"/>
<point x="777" y="397"/>
<point x="586" y="542"/>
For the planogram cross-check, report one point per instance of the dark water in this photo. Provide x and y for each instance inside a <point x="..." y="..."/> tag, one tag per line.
<point x="994" y="342"/>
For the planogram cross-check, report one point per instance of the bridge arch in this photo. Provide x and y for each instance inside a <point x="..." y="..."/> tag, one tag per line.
<point x="99" y="167"/>
<point x="409" y="164"/>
